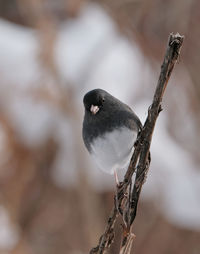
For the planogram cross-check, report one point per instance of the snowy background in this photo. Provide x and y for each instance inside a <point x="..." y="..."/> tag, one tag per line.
<point x="46" y="67"/>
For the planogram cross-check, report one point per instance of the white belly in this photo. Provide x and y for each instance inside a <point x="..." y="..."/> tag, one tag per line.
<point x="113" y="151"/>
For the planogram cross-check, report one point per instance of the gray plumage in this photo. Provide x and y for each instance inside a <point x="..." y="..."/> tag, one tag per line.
<point x="109" y="135"/>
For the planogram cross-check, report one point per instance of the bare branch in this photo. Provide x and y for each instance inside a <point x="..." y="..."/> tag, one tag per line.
<point x="140" y="160"/>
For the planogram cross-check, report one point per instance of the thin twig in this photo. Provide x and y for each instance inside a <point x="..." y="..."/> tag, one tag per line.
<point x="140" y="159"/>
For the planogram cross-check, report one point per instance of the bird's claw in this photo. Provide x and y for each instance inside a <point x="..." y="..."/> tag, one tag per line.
<point x="119" y="197"/>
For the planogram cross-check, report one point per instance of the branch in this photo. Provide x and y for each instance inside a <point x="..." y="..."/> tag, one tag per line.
<point x="140" y="160"/>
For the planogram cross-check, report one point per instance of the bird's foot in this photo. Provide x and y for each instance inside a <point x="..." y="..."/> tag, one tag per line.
<point x="116" y="178"/>
<point x="119" y="197"/>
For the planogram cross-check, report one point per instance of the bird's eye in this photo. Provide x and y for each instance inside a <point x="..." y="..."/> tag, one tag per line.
<point x="101" y="101"/>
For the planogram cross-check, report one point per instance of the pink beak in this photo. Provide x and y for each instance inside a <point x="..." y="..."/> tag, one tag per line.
<point x="94" y="109"/>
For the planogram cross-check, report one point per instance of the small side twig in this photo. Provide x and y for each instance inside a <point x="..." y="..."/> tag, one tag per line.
<point x="140" y="160"/>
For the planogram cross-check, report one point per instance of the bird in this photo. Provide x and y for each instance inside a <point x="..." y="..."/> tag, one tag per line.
<point x="110" y="130"/>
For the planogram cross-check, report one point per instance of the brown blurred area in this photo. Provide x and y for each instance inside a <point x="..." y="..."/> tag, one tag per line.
<point x="50" y="219"/>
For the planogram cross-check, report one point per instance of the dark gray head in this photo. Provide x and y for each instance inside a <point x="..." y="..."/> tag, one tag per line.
<point x="95" y="101"/>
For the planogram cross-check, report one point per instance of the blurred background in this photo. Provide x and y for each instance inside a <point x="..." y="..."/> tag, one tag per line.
<point x="53" y="199"/>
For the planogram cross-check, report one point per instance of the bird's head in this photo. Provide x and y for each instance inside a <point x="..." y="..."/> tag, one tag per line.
<point x="94" y="101"/>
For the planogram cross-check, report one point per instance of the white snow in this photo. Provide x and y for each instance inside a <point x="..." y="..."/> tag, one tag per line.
<point x="9" y="235"/>
<point x="174" y="180"/>
<point x="18" y="54"/>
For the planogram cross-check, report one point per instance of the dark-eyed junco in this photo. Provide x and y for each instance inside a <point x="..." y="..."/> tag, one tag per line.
<point x="110" y="129"/>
